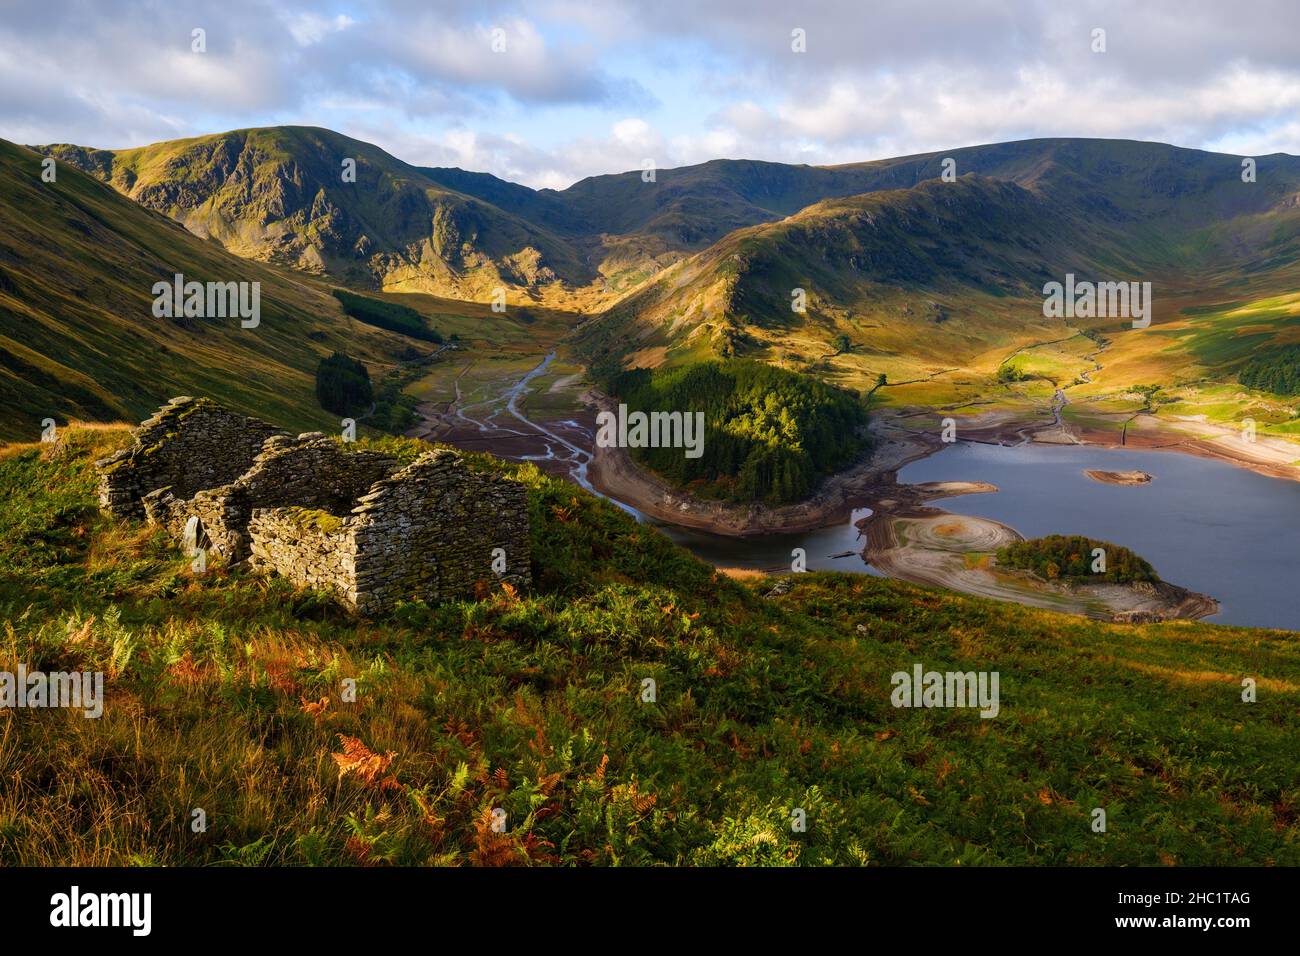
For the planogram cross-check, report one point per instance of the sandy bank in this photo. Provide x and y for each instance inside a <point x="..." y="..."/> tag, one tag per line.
<point x="929" y="546"/>
<point x="1266" y="455"/>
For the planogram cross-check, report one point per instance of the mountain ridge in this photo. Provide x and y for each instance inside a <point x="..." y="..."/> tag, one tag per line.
<point x="279" y="194"/>
<point x="466" y="234"/>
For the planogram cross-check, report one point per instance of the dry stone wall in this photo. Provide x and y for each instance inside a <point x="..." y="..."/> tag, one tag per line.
<point x="311" y="548"/>
<point x="433" y="531"/>
<point x="353" y="523"/>
<point x="310" y="471"/>
<point x="187" y="445"/>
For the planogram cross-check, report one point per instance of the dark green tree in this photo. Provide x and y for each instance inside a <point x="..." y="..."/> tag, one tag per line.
<point x="769" y="434"/>
<point x="343" y="385"/>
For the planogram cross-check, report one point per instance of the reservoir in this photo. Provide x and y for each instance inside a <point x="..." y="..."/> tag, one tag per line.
<point x="1203" y="524"/>
<point x="824" y="548"/>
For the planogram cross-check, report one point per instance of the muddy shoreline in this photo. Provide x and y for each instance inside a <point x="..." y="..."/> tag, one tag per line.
<point x="614" y="473"/>
<point x="1118" y="477"/>
<point x="906" y="536"/>
<point x="910" y="539"/>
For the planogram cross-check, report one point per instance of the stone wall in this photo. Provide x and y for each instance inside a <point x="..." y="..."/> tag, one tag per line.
<point x="429" y="531"/>
<point x="353" y="523"/>
<point x="311" y="548"/>
<point x="310" y="471"/>
<point x="187" y="445"/>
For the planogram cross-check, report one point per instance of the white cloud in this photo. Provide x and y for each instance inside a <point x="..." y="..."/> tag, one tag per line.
<point x="310" y="28"/>
<point x="583" y="89"/>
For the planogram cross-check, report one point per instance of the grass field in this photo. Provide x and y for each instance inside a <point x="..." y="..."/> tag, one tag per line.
<point x="224" y="693"/>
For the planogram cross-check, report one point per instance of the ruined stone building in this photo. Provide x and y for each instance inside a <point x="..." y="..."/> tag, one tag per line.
<point x="187" y="445"/>
<point x="355" y="523"/>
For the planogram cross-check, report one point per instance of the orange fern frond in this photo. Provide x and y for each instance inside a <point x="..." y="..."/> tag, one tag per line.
<point x="366" y="764"/>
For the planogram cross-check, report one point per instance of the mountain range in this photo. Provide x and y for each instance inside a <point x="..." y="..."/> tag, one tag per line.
<point x="899" y="267"/>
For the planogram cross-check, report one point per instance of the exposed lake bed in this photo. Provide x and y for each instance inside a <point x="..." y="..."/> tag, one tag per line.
<point x="1214" y="521"/>
<point x="935" y="547"/>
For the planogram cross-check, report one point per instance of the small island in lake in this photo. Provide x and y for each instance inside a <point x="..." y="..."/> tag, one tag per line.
<point x="1118" y="477"/>
<point x="1061" y="573"/>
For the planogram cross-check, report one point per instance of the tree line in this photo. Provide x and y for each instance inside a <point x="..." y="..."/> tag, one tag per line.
<point x="769" y="434"/>
<point x="1071" y="556"/>
<point x="1276" y="371"/>
<point x="387" y="315"/>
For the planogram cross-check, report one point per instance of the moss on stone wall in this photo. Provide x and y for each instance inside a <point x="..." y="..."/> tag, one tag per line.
<point x="317" y="519"/>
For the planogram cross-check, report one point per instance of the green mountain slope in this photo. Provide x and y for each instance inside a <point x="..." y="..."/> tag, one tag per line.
<point x="940" y="291"/>
<point x="78" y="339"/>
<point x="223" y="692"/>
<point x="942" y="279"/>
<point x="279" y="194"/>
<point x="928" y="270"/>
<point x="644" y="226"/>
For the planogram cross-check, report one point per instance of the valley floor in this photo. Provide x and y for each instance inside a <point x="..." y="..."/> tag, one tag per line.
<point x="530" y="409"/>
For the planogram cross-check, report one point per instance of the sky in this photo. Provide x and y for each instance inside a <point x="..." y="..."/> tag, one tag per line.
<point x="550" y="91"/>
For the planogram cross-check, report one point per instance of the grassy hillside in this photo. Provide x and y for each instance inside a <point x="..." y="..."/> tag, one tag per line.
<point x="223" y="693"/>
<point x="938" y="286"/>
<point x="278" y="194"/>
<point x="78" y="339"/>
<point x="942" y="273"/>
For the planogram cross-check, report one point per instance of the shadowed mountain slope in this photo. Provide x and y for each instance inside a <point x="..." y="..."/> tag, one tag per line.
<point x="78" y="338"/>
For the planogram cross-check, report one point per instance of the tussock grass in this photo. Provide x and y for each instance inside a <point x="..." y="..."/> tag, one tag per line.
<point x="226" y="693"/>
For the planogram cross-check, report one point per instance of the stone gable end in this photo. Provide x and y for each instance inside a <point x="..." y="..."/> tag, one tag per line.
<point x="349" y="522"/>
<point x="187" y="445"/>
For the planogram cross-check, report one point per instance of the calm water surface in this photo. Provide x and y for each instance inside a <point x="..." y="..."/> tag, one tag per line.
<point x="1203" y="524"/>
